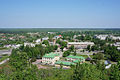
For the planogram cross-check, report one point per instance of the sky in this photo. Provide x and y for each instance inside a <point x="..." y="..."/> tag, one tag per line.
<point x="59" y="13"/>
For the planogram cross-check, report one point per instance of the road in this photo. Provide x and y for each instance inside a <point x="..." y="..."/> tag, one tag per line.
<point x="5" y="52"/>
<point x="4" y="61"/>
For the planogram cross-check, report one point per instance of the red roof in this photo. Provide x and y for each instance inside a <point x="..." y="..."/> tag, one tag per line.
<point x="59" y="35"/>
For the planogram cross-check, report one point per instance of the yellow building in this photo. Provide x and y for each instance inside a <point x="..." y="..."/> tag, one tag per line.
<point x="50" y="58"/>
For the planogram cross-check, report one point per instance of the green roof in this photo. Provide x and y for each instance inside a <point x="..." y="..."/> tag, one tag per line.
<point x="75" y="57"/>
<point x="65" y="63"/>
<point x="76" y="61"/>
<point x="50" y="55"/>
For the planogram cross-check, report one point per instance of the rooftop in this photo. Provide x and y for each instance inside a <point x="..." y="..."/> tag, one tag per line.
<point x="75" y="57"/>
<point x="65" y="63"/>
<point x="77" y="43"/>
<point x="50" y="55"/>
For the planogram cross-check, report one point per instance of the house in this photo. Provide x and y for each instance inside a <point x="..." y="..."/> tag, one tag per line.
<point x="64" y="64"/>
<point x="38" y="41"/>
<point x="57" y="37"/>
<point x="80" y="45"/>
<point x="50" y="58"/>
<point x="65" y="49"/>
<point x="75" y="58"/>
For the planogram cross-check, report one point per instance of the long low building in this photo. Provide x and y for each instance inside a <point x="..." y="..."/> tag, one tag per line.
<point x="65" y="64"/>
<point x="80" y="45"/>
<point x="75" y="58"/>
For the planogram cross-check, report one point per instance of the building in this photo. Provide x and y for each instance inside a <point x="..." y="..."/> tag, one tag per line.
<point x="16" y="46"/>
<point x="45" y="38"/>
<point x="115" y="37"/>
<point x="50" y="58"/>
<point x="101" y="37"/>
<point x="64" y="64"/>
<point x="29" y="44"/>
<point x="75" y="58"/>
<point x="38" y="41"/>
<point x="57" y="37"/>
<point x="8" y="46"/>
<point x="80" y="45"/>
<point x="117" y="44"/>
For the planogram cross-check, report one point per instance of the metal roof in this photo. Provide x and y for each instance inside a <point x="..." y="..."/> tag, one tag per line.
<point x="75" y="57"/>
<point x="50" y="55"/>
<point x="65" y="63"/>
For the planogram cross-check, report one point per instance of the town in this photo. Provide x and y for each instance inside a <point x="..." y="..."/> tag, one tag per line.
<point x="60" y="50"/>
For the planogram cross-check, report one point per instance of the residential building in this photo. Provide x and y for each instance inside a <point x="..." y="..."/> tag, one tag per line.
<point x="80" y="45"/>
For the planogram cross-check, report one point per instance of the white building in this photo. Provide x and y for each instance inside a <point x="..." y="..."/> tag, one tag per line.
<point x="29" y="44"/>
<point x="8" y="46"/>
<point x="45" y="38"/>
<point x="16" y="46"/>
<point x="101" y="37"/>
<point x="12" y="46"/>
<point x="80" y="45"/>
<point x="50" y="58"/>
<point x="38" y="41"/>
<point x="117" y="44"/>
<point x="115" y="37"/>
<point x="57" y="37"/>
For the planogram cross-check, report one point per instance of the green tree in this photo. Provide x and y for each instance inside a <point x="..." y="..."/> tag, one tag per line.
<point x="62" y="47"/>
<point x="88" y="47"/>
<point x="66" y="53"/>
<point x="86" y="72"/>
<point x="71" y="48"/>
<point x="98" y="56"/>
<point x="45" y="42"/>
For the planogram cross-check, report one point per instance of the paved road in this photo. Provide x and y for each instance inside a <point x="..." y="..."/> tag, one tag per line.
<point x="5" y="52"/>
<point x="84" y="53"/>
<point x="4" y="61"/>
